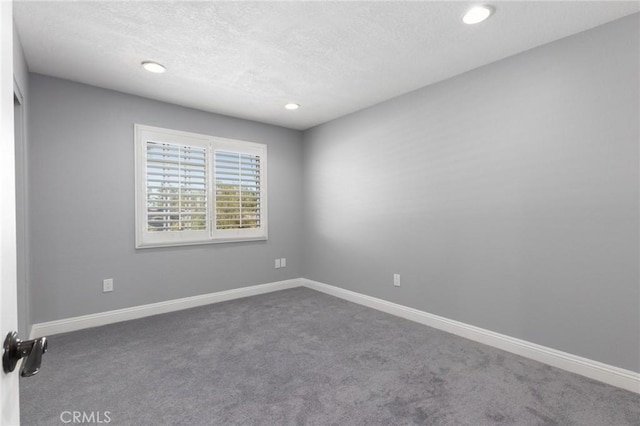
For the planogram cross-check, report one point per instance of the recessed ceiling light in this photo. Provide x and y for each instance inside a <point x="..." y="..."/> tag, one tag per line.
<point x="477" y="14"/>
<point x="153" y="67"/>
<point x="292" y="106"/>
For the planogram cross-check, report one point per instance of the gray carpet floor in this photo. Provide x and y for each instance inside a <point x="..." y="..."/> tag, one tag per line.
<point x="302" y="357"/>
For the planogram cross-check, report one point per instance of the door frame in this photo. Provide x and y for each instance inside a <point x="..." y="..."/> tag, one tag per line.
<point x="9" y="390"/>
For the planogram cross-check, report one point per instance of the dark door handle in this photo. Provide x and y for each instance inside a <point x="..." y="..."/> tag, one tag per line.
<point x="14" y="349"/>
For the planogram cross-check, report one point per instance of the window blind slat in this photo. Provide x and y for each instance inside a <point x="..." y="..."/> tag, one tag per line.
<point x="176" y="182"/>
<point x="237" y="186"/>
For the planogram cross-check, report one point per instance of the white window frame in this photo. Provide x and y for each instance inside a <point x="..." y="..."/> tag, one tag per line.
<point x="146" y="239"/>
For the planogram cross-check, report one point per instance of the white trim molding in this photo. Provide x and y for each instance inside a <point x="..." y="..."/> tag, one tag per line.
<point x="135" y="312"/>
<point x="605" y="373"/>
<point x="609" y="374"/>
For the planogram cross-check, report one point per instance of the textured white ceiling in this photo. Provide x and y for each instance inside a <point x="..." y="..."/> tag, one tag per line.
<point x="247" y="59"/>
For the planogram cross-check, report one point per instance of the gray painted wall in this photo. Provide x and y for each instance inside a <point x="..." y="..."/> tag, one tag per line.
<point x="81" y="182"/>
<point x="506" y="197"/>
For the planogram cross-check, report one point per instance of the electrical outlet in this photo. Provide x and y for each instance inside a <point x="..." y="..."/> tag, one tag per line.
<point x="283" y="262"/>
<point x="107" y="285"/>
<point x="277" y="263"/>
<point x="396" y="280"/>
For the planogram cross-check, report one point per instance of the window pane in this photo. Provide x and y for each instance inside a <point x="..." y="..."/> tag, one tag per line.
<point x="237" y="177"/>
<point x="176" y="179"/>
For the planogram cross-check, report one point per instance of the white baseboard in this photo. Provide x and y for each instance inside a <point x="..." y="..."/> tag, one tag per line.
<point x="118" y="315"/>
<point x="609" y="374"/>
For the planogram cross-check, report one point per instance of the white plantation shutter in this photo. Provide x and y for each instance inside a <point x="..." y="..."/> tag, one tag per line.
<point x="237" y="190"/>
<point x="195" y="189"/>
<point x="176" y="187"/>
<point x="240" y="185"/>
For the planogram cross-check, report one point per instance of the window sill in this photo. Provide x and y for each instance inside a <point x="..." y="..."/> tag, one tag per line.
<point x="199" y="242"/>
